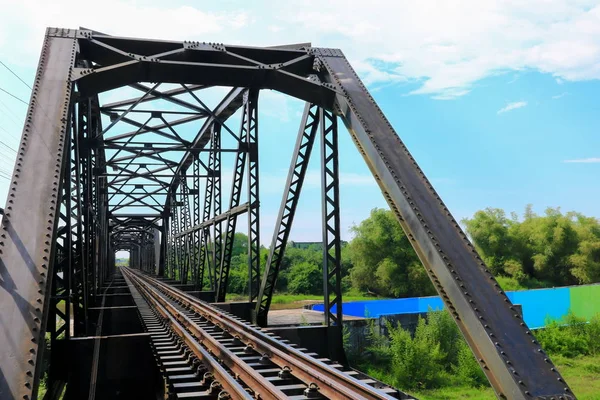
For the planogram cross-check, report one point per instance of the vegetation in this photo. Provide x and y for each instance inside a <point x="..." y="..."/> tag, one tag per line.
<point x="436" y="362"/>
<point x="435" y="356"/>
<point x="383" y="260"/>
<point x="301" y="270"/>
<point x="122" y="262"/>
<point x="572" y="336"/>
<point x="582" y="373"/>
<point x="555" y="249"/>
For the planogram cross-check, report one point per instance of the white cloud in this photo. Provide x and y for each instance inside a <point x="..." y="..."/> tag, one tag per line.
<point x="29" y="19"/>
<point x="445" y="47"/>
<point x="512" y="106"/>
<point x="558" y="96"/>
<point x="276" y="105"/>
<point x="370" y="74"/>
<point x="451" y="45"/>
<point x="584" y="160"/>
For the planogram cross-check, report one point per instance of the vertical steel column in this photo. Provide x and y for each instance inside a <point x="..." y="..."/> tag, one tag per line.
<point x="163" y="254"/>
<point x="331" y="219"/>
<point x="102" y="217"/>
<point x="176" y="240"/>
<point x="234" y="201"/>
<point x="253" y="196"/>
<point x="216" y="176"/>
<point x="185" y="222"/>
<point x="88" y="220"/>
<point x="205" y="256"/>
<point x="80" y="287"/>
<point x="196" y="235"/>
<point x="62" y="258"/>
<point x="168" y="238"/>
<point x="291" y="194"/>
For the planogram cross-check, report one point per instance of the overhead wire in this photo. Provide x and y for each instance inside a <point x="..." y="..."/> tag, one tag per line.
<point x="12" y="114"/>
<point x="13" y="96"/>
<point x="8" y="147"/>
<point x="15" y="74"/>
<point x="10" y="134"/>
<point x="34" y="128"/>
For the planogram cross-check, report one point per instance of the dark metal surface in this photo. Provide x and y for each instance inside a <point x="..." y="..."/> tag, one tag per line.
<point x="30" y="220"/>
<point x="234" y="201"/>
<point x="252" y="185"/>
<point x="330" y="204"/>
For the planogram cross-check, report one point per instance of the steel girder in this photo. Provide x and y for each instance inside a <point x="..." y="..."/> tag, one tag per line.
<point x="216" y="195"/>
<point x="33" y="246"/>
<point x="234" y="199"/>
<point x="253" y="196"/>
<point x="31" y="217"/>
<point x="205" y="254"/>
<point x="330" y="204"/>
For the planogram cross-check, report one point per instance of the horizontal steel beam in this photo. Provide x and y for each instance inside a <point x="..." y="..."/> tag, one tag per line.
<point x="234" y="212"/>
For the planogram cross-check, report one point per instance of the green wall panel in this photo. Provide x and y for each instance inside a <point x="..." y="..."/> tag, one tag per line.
<point x="585" y="300"/>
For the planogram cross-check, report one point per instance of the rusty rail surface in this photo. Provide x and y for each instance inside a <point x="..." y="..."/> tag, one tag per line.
<point x="205" y="330"/>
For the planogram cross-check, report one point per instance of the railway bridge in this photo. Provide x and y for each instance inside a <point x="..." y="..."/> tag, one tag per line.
<point x="123" y="151"/>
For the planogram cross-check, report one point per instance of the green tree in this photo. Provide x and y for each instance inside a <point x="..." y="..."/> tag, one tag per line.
<point x="586" y="260"/>
<point x="552" y="249"/>
<point x="490" y="230"/>
<point x="383" y="259"/>
<point x="552" y="240"/>
<point x="305" y="278"/>
<point x="240" y="244"/>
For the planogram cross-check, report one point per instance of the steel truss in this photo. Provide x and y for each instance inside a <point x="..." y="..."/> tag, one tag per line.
<point x="91" y="179"/>
<point x="287" y="210"/>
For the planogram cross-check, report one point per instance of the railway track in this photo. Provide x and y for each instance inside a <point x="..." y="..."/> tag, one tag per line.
<point x="207" y="353"/>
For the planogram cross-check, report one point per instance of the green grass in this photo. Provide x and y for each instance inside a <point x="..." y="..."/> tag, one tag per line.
<point x="451" y="393"/>
<point x="286" y="301"/>
<point x="582" y="374"/>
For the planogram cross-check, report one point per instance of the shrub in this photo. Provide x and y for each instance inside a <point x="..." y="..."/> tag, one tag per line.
<point x="443" y="330"/>
<point x="305" y="278"/>
<point x="467" y="368"/>
<point x="427" y="359"/>
<point x="594" y="334"/>
<point x="416" y="362"/>
<point x="570" y="337"/>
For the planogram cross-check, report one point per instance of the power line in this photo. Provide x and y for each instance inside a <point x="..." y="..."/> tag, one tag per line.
<point x="6" y="173"/>
<point x="7" y="146"/>
<point x="18" y="77"/>
<point x="10" y="134"/>
<point x="12" y="95"/>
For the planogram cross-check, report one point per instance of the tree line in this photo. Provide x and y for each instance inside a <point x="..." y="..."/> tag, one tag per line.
<point x="553" y="249"/>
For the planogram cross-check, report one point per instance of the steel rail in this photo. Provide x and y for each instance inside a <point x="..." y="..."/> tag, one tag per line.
<point x="331" y="382"/>
<point x="228" y="382"/>
<point x="180" y="323"/>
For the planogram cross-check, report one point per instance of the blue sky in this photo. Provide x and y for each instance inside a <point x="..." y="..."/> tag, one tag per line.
<point x="497" y="102"/>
